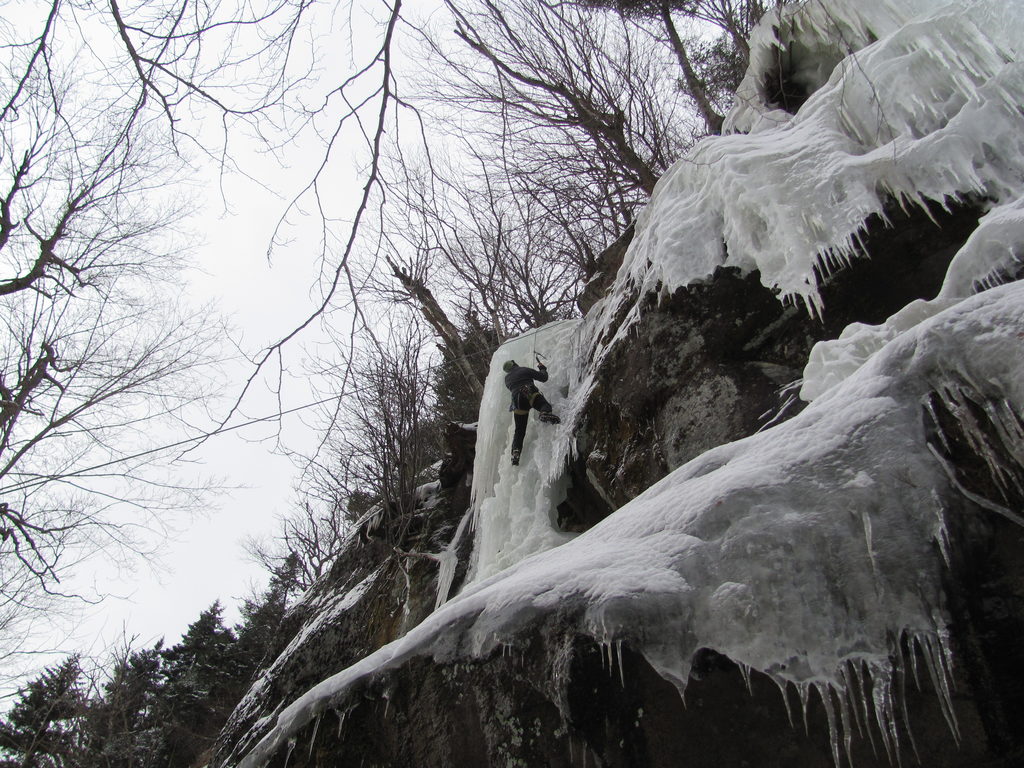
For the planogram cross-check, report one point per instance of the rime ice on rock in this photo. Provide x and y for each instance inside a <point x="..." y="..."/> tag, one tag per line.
<point x="992" y="255"/>
<point x="801" y="551"/>
<point x="804" y="550"/>
<point x="929" y="111"/>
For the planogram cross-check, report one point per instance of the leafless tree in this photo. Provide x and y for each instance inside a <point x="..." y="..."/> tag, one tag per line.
<point x="563" y="120"/>
<point x="381" y="434"/>
<point x="315" y="534"/>
<point x="101" y="360"/>
<point x="553" y="85"/>
<point x="483" y="247"/>
<point x="206" y="75"/>
<point x="714" y="55"/>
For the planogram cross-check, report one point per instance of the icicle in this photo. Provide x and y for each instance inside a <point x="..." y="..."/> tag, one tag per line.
<point x="291" y="748"/>
<point x="859" y="239"/>
<point x="745" y="671"/>
<point x="861" y="673"/>
<point x="849" y="689"/>
<point x="341" y="721"/>
<point x="869" y="543"/>
<point x="942" y="531"/>
<point x="783" y="686"/>
<point x="945" y="647"/>
<point x="914" y="667"/>
<point x="929" y="406"/>
<point x="408" y="591"/>
<point x="844" y="720"/>
<point x="825" y="693"/>
<point x="881" y="695"/>
<point x="447" y="561"/>
<point x="902" y="695"/>
<point x="804" y="690"/>
<point x="815" y="306"/>
<point x="622" y="670"/>
<point x="940" y="674"/>
<point x="312" y="740"/>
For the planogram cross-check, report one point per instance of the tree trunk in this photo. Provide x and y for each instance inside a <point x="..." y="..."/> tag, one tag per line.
<point x="694" y="86"/>
<point x="443" y="327"/>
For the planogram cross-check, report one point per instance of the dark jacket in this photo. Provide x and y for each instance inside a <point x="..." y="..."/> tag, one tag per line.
<point x="521" y="376"/>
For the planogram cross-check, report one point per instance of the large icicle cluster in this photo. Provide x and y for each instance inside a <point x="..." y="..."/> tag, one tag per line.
<point x="993" y="254"/>
<point x="801" y="551"/>
<point x="911" y="101"/>
<point x="929" y="110"/>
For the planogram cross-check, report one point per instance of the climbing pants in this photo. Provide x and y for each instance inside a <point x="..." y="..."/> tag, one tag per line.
<point x="523" y="400"/>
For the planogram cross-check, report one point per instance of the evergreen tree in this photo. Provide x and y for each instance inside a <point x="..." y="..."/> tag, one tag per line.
<point x="261" y="617"/>
<point x="123" y="728"/>
<point x="42" y="728"/>
<point x="203" y="678"/>
<point x="161" y="707"/>
<point x="164" y="706"/>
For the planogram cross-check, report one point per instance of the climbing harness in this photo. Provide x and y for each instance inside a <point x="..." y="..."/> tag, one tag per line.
<point x="528" y="391"/>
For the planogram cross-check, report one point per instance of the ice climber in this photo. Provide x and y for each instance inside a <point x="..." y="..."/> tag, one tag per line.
<point x="525" y="395"/>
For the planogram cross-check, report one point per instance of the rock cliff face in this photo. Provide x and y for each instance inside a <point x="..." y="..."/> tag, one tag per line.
<point x="735" y="349"/>
<point x="556" y="698"/>
<point x="560" y="699"/>
<point x="376" y="590"/>
<point x="701" y="364"/>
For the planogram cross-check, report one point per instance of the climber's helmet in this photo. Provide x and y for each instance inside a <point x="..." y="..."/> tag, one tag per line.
<point x="509" y="365"/>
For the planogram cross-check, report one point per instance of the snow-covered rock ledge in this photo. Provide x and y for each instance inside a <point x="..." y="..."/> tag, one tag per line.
<point x="793" y="552"/>
<point x="908" y="101"/>
<point x="821" y="553"/>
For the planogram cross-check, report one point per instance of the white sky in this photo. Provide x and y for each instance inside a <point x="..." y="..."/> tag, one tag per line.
<point x="263" y="302"/>
<point x="206" y="562"/>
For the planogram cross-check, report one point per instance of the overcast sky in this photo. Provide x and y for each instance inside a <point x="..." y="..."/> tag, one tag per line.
<point x="233" y="224"/>
<point x="263" y="300"/>
<point x="205" y="561"/>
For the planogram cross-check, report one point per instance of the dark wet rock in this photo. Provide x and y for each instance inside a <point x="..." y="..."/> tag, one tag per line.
<point x="706" y="365"/>
<point x="564" y="701"/>
<point x="556" y="698"/>
<point x="375" y="592"/>
<point x="715" y="361"/>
